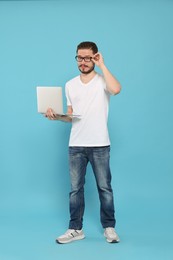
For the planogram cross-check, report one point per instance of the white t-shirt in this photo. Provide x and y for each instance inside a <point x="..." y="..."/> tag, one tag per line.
<point x="91" y="101"/>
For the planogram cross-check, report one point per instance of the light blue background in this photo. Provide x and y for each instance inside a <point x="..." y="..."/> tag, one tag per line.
<point x="38" y="41"/>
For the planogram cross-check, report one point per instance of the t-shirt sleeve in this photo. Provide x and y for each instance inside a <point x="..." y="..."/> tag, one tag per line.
<point x="67" y="95"/>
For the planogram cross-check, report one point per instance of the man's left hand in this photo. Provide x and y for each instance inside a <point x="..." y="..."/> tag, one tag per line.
<point x="98" y="59"/>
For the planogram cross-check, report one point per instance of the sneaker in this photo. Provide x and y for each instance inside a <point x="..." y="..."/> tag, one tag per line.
<point x="111" y="235"/>
<point x="70" y="235"/>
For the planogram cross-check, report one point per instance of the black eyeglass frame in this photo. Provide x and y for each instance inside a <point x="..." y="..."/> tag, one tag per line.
<point x="83" y="58"/>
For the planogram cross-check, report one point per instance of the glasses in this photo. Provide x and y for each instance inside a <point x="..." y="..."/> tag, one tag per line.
<point x="86" y="59"/>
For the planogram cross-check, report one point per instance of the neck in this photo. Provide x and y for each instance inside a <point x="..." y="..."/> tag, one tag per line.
<point x="85" y="78"/>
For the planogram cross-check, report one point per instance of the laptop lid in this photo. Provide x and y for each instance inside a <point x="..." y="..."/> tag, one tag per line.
<point x="49" y="97"/>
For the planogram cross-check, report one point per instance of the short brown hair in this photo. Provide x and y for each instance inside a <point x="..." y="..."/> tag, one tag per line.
<point x="88" y="45"/>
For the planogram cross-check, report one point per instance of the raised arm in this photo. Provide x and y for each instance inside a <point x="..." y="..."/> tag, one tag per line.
<point x="113" y="85"/>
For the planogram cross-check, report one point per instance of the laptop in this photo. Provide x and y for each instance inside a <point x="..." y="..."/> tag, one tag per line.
<point x="50" y="97"/>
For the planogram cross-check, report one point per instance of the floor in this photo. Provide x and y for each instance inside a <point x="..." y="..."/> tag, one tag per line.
<point x="26" y="237"/>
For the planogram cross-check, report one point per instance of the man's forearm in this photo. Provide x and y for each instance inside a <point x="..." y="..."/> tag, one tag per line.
<point x="113" y="85"/>
<point x="63" y="118"/>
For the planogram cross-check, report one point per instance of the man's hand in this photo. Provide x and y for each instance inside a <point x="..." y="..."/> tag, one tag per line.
<point x="50" y="114"/>
<point x="98" y="59"/>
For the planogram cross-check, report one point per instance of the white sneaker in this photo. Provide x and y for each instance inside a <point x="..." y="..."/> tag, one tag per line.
<point x="70" y="235"/>
<point x="111" y="235"/>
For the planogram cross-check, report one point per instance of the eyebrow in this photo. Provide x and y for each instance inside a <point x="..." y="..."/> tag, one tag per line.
<point x="84" y="56"/>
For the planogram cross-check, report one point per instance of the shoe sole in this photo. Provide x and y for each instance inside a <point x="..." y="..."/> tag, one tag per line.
<point x="112" y="241"/>
<point x="71" y="240"/>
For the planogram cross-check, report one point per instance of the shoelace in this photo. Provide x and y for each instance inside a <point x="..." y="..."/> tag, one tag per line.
<point x="67" y="232"/>
<point x="111" y="230"/>
<point x="70" y="232"/>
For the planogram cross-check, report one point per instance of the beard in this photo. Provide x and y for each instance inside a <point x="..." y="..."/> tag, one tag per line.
<point x="90" y="69"/>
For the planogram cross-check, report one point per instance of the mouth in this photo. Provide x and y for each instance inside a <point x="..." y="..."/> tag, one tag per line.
<point x="85" y="69"/>
<point x="83" y="66"/>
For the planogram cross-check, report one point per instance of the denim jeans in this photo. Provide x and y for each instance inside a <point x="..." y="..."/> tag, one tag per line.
<point x="99" y="159"/>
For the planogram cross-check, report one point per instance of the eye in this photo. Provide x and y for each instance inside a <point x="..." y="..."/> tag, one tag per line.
<point x="79" y="58"/>
<point x="87" y="59"/>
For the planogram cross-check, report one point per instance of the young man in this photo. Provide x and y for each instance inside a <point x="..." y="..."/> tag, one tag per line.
<point x="88" y="96"/>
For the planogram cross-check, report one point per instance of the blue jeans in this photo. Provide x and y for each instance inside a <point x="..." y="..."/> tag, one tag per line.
<point x="99" y="159"/>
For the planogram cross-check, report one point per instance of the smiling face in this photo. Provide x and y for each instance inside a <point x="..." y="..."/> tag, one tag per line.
<point x="85" y="65"/>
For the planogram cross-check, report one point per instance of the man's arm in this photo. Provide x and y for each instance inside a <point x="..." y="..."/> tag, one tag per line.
<point x="113" y="85"/>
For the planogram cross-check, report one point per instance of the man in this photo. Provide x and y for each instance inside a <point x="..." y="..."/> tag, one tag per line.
<point x="88" y="98"/>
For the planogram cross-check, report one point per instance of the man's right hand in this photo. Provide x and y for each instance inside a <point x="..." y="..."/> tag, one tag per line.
<point x="50" y="114"/>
